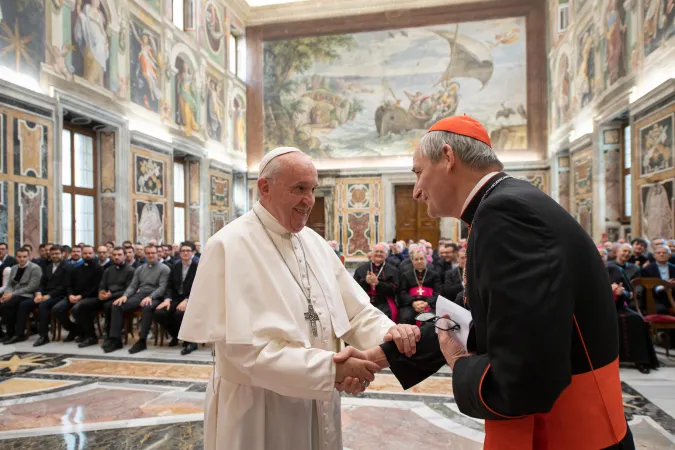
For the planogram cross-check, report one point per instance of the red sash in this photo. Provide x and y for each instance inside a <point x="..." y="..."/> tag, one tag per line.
<point x="423" y="292"/>
<point x="390" y="301"/>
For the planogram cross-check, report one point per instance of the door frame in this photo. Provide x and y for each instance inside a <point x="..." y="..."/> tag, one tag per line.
<point x="448" y="226"/>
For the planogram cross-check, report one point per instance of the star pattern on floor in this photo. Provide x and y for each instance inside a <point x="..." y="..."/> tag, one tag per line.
<point x="16" y="362"/>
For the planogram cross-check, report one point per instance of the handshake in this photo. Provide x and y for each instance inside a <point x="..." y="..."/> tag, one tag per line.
<point x="355" y="369"/>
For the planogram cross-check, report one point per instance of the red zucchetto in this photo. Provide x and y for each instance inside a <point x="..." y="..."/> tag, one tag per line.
<point x="463" y="125"/>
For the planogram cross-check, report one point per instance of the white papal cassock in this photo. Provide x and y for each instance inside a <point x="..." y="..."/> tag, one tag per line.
<point x="273" y="381"/>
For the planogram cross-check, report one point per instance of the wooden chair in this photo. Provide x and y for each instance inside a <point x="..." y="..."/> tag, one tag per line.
<point x="129" y="323"/>
<point x="656" y="321"/>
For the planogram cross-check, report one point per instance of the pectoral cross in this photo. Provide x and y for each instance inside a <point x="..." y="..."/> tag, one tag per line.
<point x="313" y="318"/>
<point x="420" y="291"/>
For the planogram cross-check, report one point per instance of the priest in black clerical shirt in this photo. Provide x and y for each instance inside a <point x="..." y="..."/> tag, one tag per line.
<point x="542" y="365"/>
<point x="379" y="279"/>
<point x="420" y="287"/>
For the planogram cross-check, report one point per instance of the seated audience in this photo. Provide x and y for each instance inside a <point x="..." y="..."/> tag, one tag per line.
<point x="447" y="259"/>
<point x="622" y="260"/>
<point x="56" y="279"/>
<point x="664" y="270"/>
<point x="146" y="291"/>
<point x="170" y="312"/>
<point x="640" y="256"/>
<point x="114" y="281"/>
<point x="198" y="248"/>
<point x="5" y="259"/>
<point x="103" y="257"/>
<point x="140" y="254"/>
<point x="635" y="344"/>
<point x="24" y="281"/>
<point x="419" y="289"/>
<point x="380" y="280"/>
<point x="85" y="281"/>
<point x="454" y="282"/>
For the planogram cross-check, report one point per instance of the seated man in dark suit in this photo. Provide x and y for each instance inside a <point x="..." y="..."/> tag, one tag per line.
<point x="664" y="270"/>
<point x="56" y="279"/>
<point x="5" y="259"/>
<point x="170" y="312"/>
<point x="24" y="281"/>
<point x="454" y="279"/>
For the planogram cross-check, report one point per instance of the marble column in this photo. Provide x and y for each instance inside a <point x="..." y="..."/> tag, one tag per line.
<point x="599" y="200"/>
<point x="205" y="199"/>
<point x="553" y="173"/>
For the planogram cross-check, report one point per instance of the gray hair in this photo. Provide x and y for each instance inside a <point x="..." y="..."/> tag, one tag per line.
<point x="412" y="253"/>
<point x="385" y="247"/>
<point x="663" y="246"/>
<point x="626" y="245"/>
<point x="473" y="153"/>
<point x="271" y="170"/>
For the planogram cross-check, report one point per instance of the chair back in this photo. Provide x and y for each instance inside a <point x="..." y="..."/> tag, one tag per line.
<point x="649" y="284"/>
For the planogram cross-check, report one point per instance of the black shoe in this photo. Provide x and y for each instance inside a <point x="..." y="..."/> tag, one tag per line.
<point x="88" y="342"/>
<point x="14" y="340"/>
<point x="138" y="346"/>
<point x="41" y="341"/>
<point x="643" y="368"/>
<point x="71" y="337"/>
<point x="112" y="345"/>
<point x="79" y="339"/>
<point x="189" y="348"/>
<point x="6" y="339"/>
<point x="173" y="343"/>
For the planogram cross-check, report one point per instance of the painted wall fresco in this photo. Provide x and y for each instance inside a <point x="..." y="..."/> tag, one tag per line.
<point x="150" y="195"/>
<point x="220" y="199"/>
<point x="586" y="70"/>
<point x="358" y="218"/>
<point x="212" y="31"/>
<point x="186" y="102"/>
<point x="538" y="179"/>
<point x="238" y="121"/>
<point x="145" y="64"/>
<point x="22" y="36"/>
<point x="614" y="41"/>
<point x="375" y="93"/>
<point x="654" y="174"/>
<point x="659" y="23"/>
<point x="613" y="185"/>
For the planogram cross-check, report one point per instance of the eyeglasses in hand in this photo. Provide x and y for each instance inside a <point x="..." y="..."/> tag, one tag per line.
<point x="442" y="323"/>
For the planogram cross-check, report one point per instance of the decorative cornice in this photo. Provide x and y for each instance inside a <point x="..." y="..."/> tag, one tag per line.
<point x="86" y="108"/>
<point x="321" y="9"/>
<point x="150" y="143"/>
<point x="581" y="143"/>
<point x="241" y="9"/>
<point x="663" y="91"/>
<point x="189" y="148"/>
<point x="27" y="96"/>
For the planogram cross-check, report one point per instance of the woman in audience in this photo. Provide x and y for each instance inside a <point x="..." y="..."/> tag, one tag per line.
<point x="420" y="286"/>
<point x="635" y="344"/>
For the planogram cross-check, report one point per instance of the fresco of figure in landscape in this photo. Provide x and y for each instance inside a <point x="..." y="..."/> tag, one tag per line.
<point x="657" y="146"/>
<point x="562" y="100"/>
<point x="214" y="109"/>
<point x="659" y="23"/>
<point x="657" y="209"/>
<point x="376" y="93"/>
<point x="144" y="76"/>
<point x="238" y="124"/>
<point x="91" y="57"/>
<point x="212" y="32"/>
<point x="22" y="36"/>
<point x="615" y="31"/>
<point x="186" y="112"/>
<point x="586" y="64"/>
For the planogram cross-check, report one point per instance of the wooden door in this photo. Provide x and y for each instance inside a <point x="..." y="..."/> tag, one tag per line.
<point x="317" y="218"/>
<point x="412" y="220"/>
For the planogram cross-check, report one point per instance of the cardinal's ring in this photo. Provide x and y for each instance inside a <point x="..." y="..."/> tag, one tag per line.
<point x="365" y="384"/>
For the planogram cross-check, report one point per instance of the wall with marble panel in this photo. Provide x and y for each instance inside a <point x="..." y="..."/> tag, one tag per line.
<point x="359" y="215"/>
<point x="150" y="188"/>
<point x="581" y="169"/>
<point x="538" y="178"/>
<point x="564" y="182"/>
<point x="653" y="172"/>
<point x="220" y="199"/>
<point x="26" y="196"/>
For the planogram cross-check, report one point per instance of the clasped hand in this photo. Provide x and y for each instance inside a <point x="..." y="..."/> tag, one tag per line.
<point x="404" y="336"/>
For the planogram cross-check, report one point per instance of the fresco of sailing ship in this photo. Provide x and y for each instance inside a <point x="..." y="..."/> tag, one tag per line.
<point x="376" y="93"/>
<point x="469" y="58"/>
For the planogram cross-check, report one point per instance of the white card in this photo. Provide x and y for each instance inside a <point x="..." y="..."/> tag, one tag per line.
<point x="457" y="313"/>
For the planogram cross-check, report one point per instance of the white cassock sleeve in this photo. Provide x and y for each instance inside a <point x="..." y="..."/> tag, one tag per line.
<point x="262" y="342"/>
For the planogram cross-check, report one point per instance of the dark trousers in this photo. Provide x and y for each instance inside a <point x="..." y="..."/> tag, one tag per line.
<point x="406" y="314"/>
<point x="132" y="304"/>
<point x="85" y="312"/>
<point x="170" y="319"/>
<point x="62" y="312"/>
<point x="9" y="311"/>
<point x="44" y="309"/>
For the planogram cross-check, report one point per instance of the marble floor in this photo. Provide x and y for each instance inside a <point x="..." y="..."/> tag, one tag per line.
<point x="63" y="397"/>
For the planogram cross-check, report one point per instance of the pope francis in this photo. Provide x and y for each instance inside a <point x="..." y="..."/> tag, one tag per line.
<point x="275" y="299"/>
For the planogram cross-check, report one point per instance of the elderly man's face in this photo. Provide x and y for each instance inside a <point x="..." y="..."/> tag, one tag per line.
<point x="379" y="254"/>
<point x="434" y="186"/>
<point x="623" y="254"/>
<point x="289" y="195"/>
<point x="419" y="260"/>
<point x="661" y="255"/>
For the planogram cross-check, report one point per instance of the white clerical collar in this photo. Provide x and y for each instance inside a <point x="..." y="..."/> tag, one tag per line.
<point x="269" y="221"/>
<point x="476" y="188"/>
